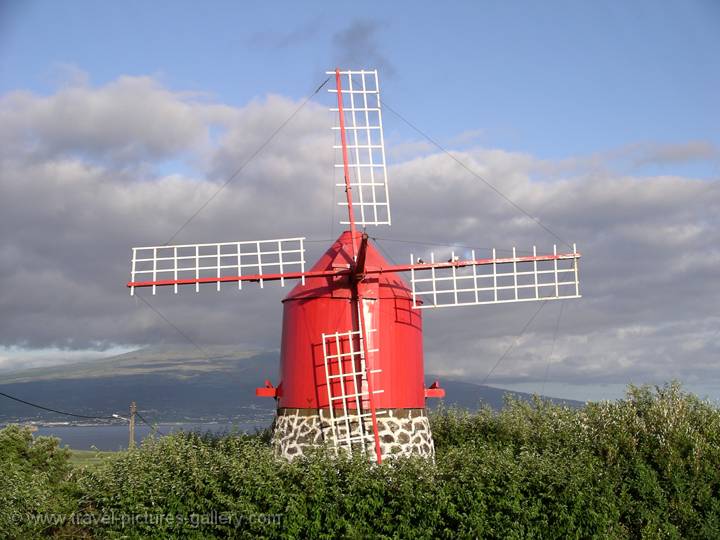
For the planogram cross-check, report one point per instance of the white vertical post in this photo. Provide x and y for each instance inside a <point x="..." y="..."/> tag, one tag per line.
<point x="302" y="261"/>
<point x="239" y="259"/>
<point x="495" y="289"/>
<point x="382" y="146"/>
<point x="132" y="271"/>
<point x="454" y="276"/>
<point x="197" y="268"/>
<point x="555" y="261"/>
<point x="329" y="392"/>
<point x="357" y="388"/>
<point x="280" y="259"/>
<point x="259" y="260"/>
<point x="154" y="268"/>
<point x="368" y="134"/>
<point x="475" y="283"/>
<point x="412" y="279"/>
<point x="218" y="268"/>
<point x="535" y="274"/>
<point x="432" y="271"/>
<point x="175" y="264"/>
<point x="341" y="377"/>
<point x="577" y="277"/>
<point x="515" y="284"/>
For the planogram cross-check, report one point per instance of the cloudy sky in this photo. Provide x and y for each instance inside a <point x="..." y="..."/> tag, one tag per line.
<point x="119" y="121"/>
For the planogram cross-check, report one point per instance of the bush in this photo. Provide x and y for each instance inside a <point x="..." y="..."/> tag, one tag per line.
<point x="192" y="476"/>
<point x="644" y="467"/>
<point x="663" y="448"/>
<point x="650" y="463"/>
<point x="35" y="484"/>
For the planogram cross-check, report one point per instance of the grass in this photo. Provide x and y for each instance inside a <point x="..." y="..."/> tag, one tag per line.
<point x="91" y="458"/>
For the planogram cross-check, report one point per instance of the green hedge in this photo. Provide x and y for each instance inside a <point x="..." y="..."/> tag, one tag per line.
<point x="34" y="480"/>
<point x="647" y="466"/>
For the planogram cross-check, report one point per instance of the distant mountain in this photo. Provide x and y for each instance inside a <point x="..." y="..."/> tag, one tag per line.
<point x="174" y="362"/>
<point x="173" y="384"/>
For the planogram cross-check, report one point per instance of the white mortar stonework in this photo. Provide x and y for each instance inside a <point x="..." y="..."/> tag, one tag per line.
<point x="403" y="432"/>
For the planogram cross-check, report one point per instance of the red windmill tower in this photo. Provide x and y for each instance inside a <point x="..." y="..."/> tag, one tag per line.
<point x="351" y="359"/>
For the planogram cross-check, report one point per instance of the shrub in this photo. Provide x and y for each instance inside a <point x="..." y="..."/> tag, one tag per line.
<point x="35" y="484"/>
<point x="647" y="466"/>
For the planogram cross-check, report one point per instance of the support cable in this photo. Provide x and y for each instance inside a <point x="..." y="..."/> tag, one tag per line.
<point x="385" y="252"/>
<point x="514" y="343"/>
<point x="183" y="334"/>
<point x="552" y="348"/>
<point x="248" y="160"/>
<point x="475" y="174"/>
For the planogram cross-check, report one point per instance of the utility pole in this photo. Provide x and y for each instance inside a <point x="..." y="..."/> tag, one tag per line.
<point x="133" y="410"/>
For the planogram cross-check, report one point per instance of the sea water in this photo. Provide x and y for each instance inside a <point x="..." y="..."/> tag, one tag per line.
<point x="116" y="437"/>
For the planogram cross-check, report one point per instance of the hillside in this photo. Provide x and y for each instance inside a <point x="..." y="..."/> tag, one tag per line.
<point x="175" y="362"/>
<point x="173" y="384"/>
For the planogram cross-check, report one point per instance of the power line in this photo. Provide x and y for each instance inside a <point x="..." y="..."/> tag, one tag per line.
<point x="75" y="415"/>
<point x="55" y="410"/>
<point x="248" y="160"/>
<point x="154" y="428"/>
<point x="384" y="252"/>
<point x="517" y="339"/>
<point x="475" y="174"/>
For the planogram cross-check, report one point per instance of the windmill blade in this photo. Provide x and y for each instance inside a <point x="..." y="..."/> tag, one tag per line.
<point x="495" y="280"/>
<point x="363" y="151"/>
<point x="193" y="264"/>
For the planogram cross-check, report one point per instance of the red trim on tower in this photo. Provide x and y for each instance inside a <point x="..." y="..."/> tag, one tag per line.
<point x="267" y="391"/>
<point x="435" y="391"/>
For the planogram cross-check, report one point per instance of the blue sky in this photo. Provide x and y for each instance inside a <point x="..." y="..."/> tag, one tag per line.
<point x="117" y="120"/>
<point x="553" y="79"/>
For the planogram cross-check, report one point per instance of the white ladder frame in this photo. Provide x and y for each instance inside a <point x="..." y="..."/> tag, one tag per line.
<point x="359" y="394"/>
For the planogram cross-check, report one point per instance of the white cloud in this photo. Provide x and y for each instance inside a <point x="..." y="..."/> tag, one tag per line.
<point x="80" y="186"/>
<point x="128" y="120"/>
<point x="13" y="358"/>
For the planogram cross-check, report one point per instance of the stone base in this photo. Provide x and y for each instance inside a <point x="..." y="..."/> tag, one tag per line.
<point x="403" y="432"/>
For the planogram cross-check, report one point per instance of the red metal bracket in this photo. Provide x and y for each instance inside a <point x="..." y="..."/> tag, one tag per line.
<point x="267" y="391"/>
<point x="435" y="391"/>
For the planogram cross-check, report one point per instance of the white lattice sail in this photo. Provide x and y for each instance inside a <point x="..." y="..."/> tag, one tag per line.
<point x="495" y="280"/>
<point x="365" y="147"/>
<point x="193" y="264"/>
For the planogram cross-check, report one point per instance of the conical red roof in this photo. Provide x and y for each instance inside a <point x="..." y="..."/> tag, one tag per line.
<point x="339" y="256"/>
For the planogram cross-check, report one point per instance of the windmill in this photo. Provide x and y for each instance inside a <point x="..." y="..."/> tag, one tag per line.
<point x="351" y="361"/>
